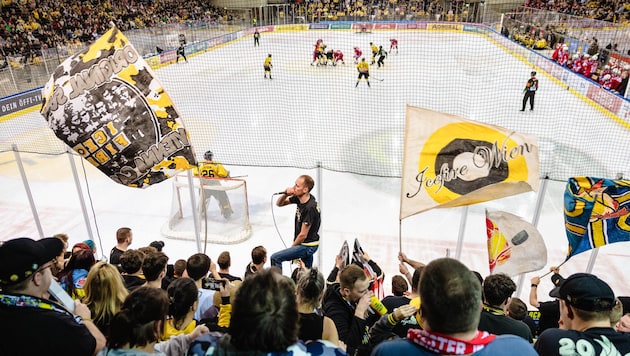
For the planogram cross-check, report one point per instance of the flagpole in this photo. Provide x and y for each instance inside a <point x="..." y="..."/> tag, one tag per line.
<point x="462" y="229"/>
<point x="560" y="265"/>
<point x="400" y="235"/>
<point x="591" y="260"/>
<point x="539" y="202"/>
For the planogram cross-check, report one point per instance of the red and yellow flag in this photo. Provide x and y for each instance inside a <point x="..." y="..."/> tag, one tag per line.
<point x="514" y="245"/>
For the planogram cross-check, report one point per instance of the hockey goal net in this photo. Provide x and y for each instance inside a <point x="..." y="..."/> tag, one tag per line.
<point x="363" y="27"/>
<point x="220" y="204"/>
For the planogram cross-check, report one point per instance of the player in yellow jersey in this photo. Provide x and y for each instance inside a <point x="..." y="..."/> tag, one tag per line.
<point x="212" y="169"/>
<point x="267" y="65"/>
<point x="364" y="72"/>
<point x="374" y="49"/>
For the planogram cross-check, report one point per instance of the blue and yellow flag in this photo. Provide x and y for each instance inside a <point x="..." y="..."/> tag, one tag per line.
<point x="596" y="213"/>
<point x="107" y="105"/>
<point x="450" y="161"/>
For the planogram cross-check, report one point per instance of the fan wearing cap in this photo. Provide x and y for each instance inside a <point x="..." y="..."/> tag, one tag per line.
<point x="585" y="305"/>
<point x="31" y="323"/>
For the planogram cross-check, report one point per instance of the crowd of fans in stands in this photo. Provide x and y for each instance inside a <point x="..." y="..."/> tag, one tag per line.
<point x="27" y="27"/>
<point x="142" y="304"/>
<point x="617" y="11"/>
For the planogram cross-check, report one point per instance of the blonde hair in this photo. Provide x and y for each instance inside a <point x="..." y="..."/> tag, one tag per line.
<point x="105" y="292"/>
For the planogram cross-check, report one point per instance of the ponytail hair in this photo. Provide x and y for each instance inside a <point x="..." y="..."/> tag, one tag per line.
<point x="310" y="286"/>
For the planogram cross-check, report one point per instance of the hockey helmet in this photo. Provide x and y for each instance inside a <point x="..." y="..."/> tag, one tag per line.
<point x="208" y="156"/>
<point x="594" y="57"/>
<point x="606" y="77"/>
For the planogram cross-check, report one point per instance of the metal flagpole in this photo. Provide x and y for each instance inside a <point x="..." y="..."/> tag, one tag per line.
<point x="539" y="201"/>
<point x="462" y="229"/>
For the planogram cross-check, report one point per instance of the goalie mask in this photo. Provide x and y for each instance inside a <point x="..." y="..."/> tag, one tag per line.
<point x="208" y="156"/>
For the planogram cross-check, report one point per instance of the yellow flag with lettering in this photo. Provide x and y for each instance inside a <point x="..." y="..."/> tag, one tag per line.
<point x="451" y="161"/>
<point x="106" y="103"/>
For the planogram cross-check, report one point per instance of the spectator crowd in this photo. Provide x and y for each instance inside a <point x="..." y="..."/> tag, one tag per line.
<point x="139" y="303"/>
<point x="28" y="27"/>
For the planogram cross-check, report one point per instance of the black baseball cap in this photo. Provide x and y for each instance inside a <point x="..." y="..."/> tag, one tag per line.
<point x="557" y="281"/>
<point x="587" y="292"/>
<point x="21" y="257"/>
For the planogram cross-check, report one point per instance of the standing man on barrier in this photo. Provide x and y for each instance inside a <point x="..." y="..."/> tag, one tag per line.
<point x="307" y="221"/>
<point x="211" y="169"/>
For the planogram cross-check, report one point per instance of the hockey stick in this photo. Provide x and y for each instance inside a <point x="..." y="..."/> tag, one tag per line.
<point x="379" y="79"/>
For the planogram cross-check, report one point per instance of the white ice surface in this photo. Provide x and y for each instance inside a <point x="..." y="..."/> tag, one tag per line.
<point x="225" y="87"/>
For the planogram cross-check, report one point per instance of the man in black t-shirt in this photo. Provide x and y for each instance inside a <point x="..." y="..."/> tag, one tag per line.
<point x="549" y="311"/>
<point x="307" y="221"/>
<point x="124" y="237"/>
<point x="585" y="305"/>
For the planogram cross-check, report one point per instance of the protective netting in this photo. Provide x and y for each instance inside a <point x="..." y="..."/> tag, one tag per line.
<point x="310" y="115"/>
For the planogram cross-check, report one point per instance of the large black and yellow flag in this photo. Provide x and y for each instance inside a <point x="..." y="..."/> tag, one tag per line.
<point x="106" y="103"/>
<point x="596" y="213"/>
<point x="450" y="161"/>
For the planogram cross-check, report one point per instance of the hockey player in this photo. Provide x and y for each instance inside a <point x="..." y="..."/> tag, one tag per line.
<point x="329" y="57"/>
<point x="338" y="57"/>
<point x="381" y="56"/>
<point x="577" y="63"/>
<point x="591" y="66"/>
<point x="374" y="52"/>
<point x="605" y="81"/>
<point x="267" y="65"/>
<point x="393" y="44"/>
<point x="316" y="51"/>
<point x="563" y="57"/>
<point x="364" y="72"/>
<point x="180" y="53"/>
<point x="616" y="79"/>
<point x="212" y="169"/>
<point x="321" y="54"/>
<point x="357" y="54"/>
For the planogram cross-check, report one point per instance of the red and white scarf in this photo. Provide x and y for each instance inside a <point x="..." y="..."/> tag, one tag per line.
<point x="447" y="345"/>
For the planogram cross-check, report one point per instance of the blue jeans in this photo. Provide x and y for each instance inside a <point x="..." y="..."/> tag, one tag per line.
<point x="294" y="252"/>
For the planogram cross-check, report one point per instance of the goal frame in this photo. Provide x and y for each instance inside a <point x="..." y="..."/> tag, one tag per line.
<point x="198" y="190"/>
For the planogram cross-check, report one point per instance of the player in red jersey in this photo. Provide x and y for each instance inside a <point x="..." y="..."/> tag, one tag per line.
<point x="393" y="44"/>
<point x="317" y="51"/>
<point x="338" y="57"/>
<point x="357" y="55"/>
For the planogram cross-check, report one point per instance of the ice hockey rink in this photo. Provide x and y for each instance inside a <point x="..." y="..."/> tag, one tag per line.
<point x="277" y="119"/>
